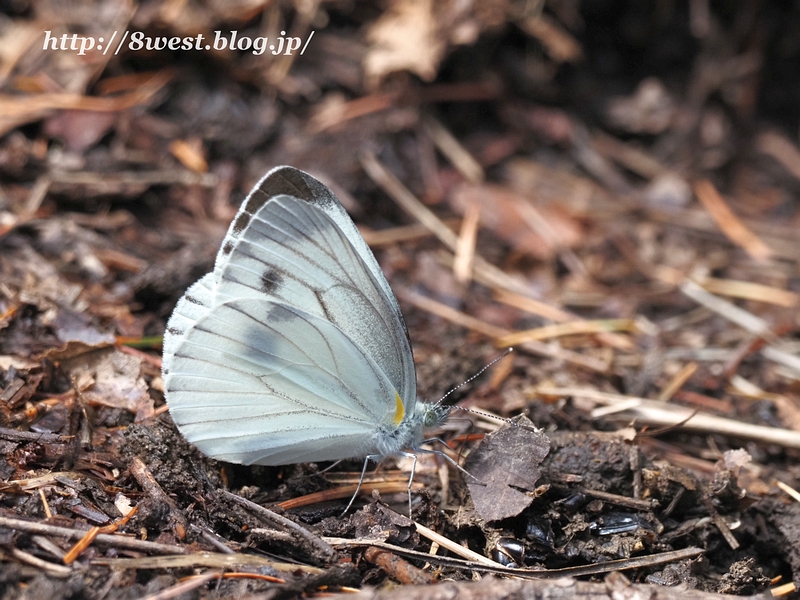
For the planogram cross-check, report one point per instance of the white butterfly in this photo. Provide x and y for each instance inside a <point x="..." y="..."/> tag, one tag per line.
<point x="294" y="348"/>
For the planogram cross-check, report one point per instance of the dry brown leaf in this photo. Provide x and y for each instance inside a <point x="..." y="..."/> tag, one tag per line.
<point x="405" y="38"/>
<point x="414" y="35"/>
<point x="80" y="129"/>
<point x="16" y="110"/>
<point x="506" y="462"/>
<point x="112" y="378"/>
<point x="503" y="211"/>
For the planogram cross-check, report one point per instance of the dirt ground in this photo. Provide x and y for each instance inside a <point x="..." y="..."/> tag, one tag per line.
<point x="610" y="188"/>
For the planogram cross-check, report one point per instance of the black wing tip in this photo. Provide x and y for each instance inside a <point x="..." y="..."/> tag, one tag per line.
<point x="290" y="181"/>
<point x="287" y="180"/>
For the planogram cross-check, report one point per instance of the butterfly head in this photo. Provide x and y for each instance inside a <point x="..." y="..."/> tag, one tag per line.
<point x="433" y="414"/>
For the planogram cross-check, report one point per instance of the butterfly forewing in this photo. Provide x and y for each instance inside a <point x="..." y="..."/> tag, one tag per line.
<point x="294" y="253"/>
<point x="289" y="181"/>
<point x="308" y="218"/>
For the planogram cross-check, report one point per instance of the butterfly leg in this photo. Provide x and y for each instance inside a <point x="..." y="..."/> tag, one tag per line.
<point x="376" y="458"/>
<point x="453" y="462"/>
<point x="413" y="457"/>
<point x="325" y="470"/>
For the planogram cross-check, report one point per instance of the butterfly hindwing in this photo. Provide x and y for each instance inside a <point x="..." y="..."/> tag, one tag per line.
<point x="193" y="305"/>
<point x="251" y="374"/>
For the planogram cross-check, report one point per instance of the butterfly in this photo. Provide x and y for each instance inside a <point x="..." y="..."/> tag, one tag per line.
<point x="293" y="349"/>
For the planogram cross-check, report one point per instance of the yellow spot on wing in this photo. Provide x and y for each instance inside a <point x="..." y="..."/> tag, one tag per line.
<point x="400" y="410"/>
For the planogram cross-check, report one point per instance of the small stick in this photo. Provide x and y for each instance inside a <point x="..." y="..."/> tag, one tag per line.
<point x="729" y="223"/>
<point x="653" y="412"/>
<point x="465" y="249"/>
<point x="145" y="479"/>
<point x="184" y="586"/>
<point x="45" y="504"/>
<point x="789" y="490"/>
<point x="620" y="500"/>
<point x="493" y="331"/>
<point x="276" y="519"/>
<point x="31" y="436"/>
<point x="118" y="541"/>
<point x="449" y="544"/>
<point x="578" y="571"/>
<point x="398" y="568"/>
<point x="92" y="534"/>
<point x="48" y="567"/>
<point x="677" y="381"/>
<point x="459" y="156"/>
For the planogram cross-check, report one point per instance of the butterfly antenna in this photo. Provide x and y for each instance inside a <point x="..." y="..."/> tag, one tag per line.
<point x="492" y="417"/>
<point x="478" y="374"/>
<point x="477" y="412"/>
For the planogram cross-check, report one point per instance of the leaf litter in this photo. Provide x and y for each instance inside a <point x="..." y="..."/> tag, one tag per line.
<point x="613" y="191"/>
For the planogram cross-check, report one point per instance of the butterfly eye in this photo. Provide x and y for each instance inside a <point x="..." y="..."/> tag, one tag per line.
<point x="434" y="416"/>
